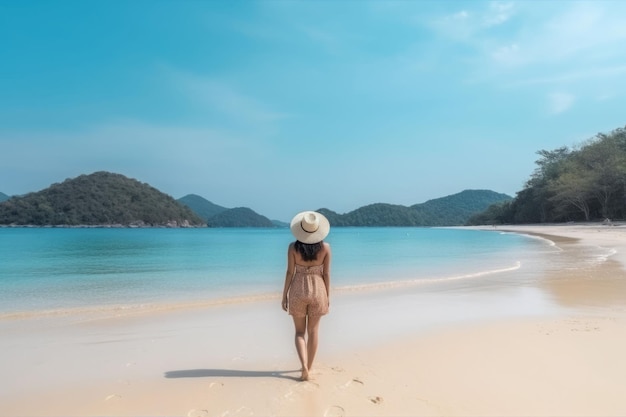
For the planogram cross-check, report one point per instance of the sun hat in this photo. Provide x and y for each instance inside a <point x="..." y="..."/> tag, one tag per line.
<point x="310" y="227"/>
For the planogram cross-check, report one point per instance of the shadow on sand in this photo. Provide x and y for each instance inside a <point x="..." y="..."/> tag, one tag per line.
<point x="232" y="373"/>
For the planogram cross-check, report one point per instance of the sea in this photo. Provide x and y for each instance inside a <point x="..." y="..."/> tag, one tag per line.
<point x="63" y="270"/>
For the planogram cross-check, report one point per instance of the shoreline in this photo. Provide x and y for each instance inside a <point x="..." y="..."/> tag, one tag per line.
<point x="106" y="311"/>
<point x="78" y="278"/>
<point x="550" y="348"/>
<point x="380" y="278"/>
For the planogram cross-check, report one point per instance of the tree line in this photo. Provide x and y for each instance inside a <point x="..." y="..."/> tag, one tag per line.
<point x="583" y="183"/>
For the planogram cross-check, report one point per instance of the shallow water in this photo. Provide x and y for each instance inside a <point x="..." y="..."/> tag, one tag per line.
<point x="56" y="269"/>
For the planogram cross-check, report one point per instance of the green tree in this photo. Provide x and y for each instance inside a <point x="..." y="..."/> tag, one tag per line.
<point x="605" y="161"/>
<point x="533" y="204"/>
<point x="574" y="187"/>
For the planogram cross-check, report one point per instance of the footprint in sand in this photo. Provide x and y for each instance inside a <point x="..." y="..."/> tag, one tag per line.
<point x="307" y="386"/>
<point x="376" y="400"/>
<point x="299" y="388"/>
<point x="240" y="412"/>
<point x="352" y="382"/>
<point x="335" y="411"/>
<point x="198" y="413"/>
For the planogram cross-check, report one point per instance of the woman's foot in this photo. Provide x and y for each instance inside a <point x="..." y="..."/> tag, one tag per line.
<point x="305" y="375"/>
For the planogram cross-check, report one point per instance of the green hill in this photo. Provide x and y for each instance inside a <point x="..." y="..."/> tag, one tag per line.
<point x="279" y="223"/>
<point x="239" y="217"/>
<point x="456" y="209"/>
<point x="201" y="206"/>
<point x="453" y="210"/>
<point x="375" y="215"/>
<point x="101" y="198"/>
<point x="218" y="216"/>
<point x="3" y="197"/>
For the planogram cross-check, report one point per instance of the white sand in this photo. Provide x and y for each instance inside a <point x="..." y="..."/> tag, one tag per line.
<point x="555" y="348"/>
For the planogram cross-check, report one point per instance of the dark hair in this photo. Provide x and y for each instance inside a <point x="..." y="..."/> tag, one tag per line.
<point x="308" y="251"/>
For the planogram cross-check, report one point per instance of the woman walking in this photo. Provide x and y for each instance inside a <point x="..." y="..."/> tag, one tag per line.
<point x="306" y="295"/>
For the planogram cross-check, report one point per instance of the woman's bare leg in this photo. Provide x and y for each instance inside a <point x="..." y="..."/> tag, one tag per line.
<point x="311" y="345"/>
<point x="301" y="345"/>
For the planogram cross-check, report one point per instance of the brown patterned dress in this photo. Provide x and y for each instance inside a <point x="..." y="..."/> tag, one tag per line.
<point x="307" y="292"/>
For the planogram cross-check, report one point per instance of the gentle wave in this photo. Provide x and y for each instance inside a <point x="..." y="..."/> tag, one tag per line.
<point x="543" y="238"/>
<point x="602" y="257"/>
<point x="590" y="258"/>
<point x="424" y="281"/>
<point x="118" y="311"/>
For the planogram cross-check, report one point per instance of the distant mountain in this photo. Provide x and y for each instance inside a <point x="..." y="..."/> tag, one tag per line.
<point x="453" y="210"/>
<point x="105" y="198"/>
<point x="239" y="217"/>
<point x="201" y="206"/>
<point x="375" y="215"/>
<point x="279" y="223"/>
<point x="98" y="199"/>
<point x="3" y="197"/>
<point x="218" y="216"/>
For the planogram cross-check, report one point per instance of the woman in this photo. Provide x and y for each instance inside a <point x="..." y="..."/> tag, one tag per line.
<point x="307" y="283"/>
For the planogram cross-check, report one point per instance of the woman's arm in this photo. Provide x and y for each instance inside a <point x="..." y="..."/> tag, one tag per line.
<point x="291" y="261"/>
<point x="327" y="259"/>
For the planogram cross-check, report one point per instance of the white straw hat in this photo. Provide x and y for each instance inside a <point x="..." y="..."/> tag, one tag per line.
<point x="310" y="227"/>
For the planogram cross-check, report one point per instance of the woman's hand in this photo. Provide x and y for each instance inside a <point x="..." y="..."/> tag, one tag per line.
<point x="284" y="304"/>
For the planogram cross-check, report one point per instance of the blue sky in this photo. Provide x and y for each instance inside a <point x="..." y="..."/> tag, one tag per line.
<point x="284" y="106"/>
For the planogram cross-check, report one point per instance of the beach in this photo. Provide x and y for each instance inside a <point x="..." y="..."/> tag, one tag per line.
<point x="552" y="346"/>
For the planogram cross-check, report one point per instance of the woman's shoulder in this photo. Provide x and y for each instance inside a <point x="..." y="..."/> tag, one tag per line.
<point x="325" y="250"/>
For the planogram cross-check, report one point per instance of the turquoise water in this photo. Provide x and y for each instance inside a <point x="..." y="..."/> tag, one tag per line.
<point x="51" y="269"/>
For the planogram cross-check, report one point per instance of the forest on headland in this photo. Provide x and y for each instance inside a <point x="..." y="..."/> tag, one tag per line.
<point x="98" y="199"/>
<point x="583" y="183"/>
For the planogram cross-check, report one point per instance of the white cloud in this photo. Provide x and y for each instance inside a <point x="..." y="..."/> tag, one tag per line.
<point x="578" y="75"/>
<point x="498" y="13"/>
<point x="579" y="34"/>
<point x="324" y="38"/>
<point x="459" y="26"/>
<point x="467" y="24"/>
<point x="560" y="102"/>
<point x="543" y="33"/>
<point x="225" y="99"/>
<point x="460" y="16"/>
<point x="575" y="47"/>
<point x="508" y="55"/>
<point x="574" y="30"/>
